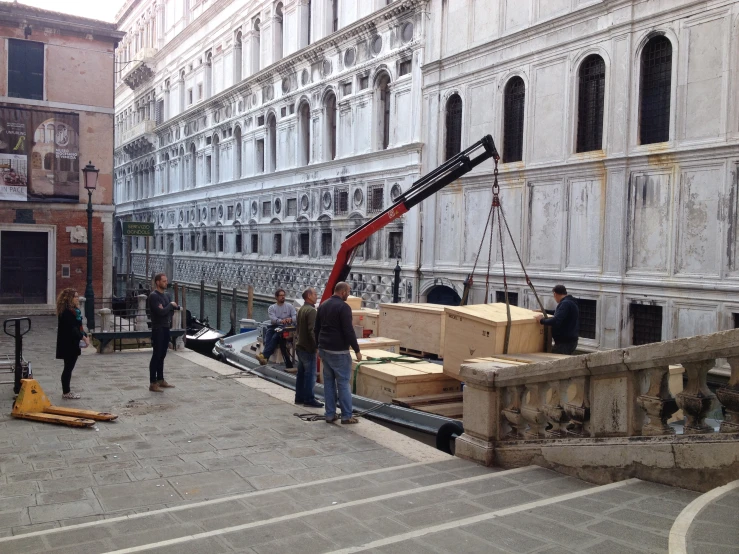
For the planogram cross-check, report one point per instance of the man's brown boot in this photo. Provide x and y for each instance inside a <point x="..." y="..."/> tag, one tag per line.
<point x="154" y="387"/>
<point x="165" y="385"/>
<point x="262" y="359"/>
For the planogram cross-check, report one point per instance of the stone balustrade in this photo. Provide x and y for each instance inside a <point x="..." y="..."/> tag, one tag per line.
<point x="586" y="400"/>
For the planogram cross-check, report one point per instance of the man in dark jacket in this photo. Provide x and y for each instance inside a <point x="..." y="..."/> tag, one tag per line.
<point x="160" y="308"/>
<point x="565" y="323"/>
<point x="305" y="348"/>
<point x="335" y="335"/>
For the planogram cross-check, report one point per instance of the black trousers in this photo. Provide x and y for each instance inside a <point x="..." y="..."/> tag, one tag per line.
<point x="564" y="348"/>
<point x="159" y="344"/>
<point x="67" y="373"/>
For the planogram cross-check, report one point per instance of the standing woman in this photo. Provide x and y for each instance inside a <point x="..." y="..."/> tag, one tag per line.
<point x="68" y="337"/>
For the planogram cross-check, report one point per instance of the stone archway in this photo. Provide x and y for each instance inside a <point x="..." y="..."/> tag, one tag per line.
<point x="443" y="295"/>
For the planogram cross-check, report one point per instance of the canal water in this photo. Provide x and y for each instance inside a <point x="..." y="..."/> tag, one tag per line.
<point x="259" y="312"/>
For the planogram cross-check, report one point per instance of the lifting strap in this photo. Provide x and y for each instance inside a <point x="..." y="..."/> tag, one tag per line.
<point x="497" y="208"/>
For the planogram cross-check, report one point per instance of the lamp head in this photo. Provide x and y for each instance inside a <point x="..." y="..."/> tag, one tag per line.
<point x="91" y="176"/>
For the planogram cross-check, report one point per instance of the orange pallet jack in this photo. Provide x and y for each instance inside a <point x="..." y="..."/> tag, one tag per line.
<point x="32" y="403"/>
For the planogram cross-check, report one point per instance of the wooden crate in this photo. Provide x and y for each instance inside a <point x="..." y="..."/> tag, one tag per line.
<point x="383" y="382"/>
<point x="478" y="331"/>
<point x="418" y="327"/>
<point x="355" y="302"/>
<point x="374" y="354"/>
<point x="368" y="319"/>
<point x="379" y="343"/>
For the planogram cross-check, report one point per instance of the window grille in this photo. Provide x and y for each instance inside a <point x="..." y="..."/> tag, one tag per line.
<point x="405" y="68"/>
<point x="304" y="244"/>
<point x="341" y="202"/>
<point x="376" y="197"/>
<point x="453" y="126"/>
<point x="647" y="323"/>
<point x="255" y="244"/>
<point x="277" y="243"/>
<point x="587" y="309"/>
<point x="25" y="69"/>
<point x="656" y="77"/>
<point x="266" y="208"/>
<point x="590" y="104"/>
<point x="238" y="243"/>
<point x="514" y="99"/>
<point x="512" y="297"/>
<point x="326" y="243"/>
<point x="292" y="207"/>
<point x="395" y="245"/>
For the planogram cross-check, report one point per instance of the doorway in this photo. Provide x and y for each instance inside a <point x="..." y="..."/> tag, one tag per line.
<point x="24" y="263"/>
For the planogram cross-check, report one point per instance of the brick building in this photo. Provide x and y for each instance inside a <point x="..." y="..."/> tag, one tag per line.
<point x="56" y="114"/>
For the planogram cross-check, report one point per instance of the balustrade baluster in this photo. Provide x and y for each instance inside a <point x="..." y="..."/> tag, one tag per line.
<point x="657" y="402"/>
<point x="696" y="400"/>
<point x="728" y="395"/>
<point x="578" y="407"/>
<point x="554" y="412"/>
<point x="513" y="412"/>
<point x="532" y="413"/>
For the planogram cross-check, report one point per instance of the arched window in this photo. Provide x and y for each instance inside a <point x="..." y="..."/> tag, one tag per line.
<point x="655" y="90"/>
<point x="256" y="47"/>
<point x="237" y="58"/>
<point x="590" y="102"/>
<point x="49" y="161"/>
<point x="215" y="160"/>
<point x="278" y="33"/>
<point x="304" y="133"/>
<point x="383" y="111"/>
<point x="514" y="98"/>
<point x="193" y="177"/>
<point x="271" y="143"/>
<point x="330" y="127"/>
<point x="237" y="153"/>
<point x="453" y="143"/>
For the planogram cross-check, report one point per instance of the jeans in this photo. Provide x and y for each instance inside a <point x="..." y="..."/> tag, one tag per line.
<point x="306" y="378"/>
<point x="271" y="341"/>
<point x="159" y="344"/>
<point x="337" y="375"/>
<point x="564" y="348"/>
<point x="67" y="373"/>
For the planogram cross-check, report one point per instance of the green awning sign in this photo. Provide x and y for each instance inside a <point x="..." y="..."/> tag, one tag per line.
<point x="135" y="229"/>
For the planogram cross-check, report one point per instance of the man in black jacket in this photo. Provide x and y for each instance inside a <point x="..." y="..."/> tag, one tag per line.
<point x="566" y="322"/>
<point x="161" y="308"/>
<point x="335" y="335"/>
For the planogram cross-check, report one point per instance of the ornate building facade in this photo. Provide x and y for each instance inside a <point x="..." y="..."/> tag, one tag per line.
<point x="257" y="135"/>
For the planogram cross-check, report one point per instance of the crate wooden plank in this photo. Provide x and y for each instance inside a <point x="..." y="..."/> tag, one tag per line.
<point x="478" y="331"/>
<point x="386" y="381"/>
<point x="418" y="327"/>
<point x="355" y="302"/>
<point x="379" y="343"/>
<point x="413" y="401"/>
<point x="452" y="409"/>
<point x="367" y="318"/>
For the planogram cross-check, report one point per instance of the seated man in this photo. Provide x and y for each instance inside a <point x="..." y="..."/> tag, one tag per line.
<point x="280" y="314"/>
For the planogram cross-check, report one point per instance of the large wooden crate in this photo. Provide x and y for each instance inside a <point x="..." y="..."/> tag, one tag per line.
<point x="379" y="343"/>
<point x="368" y="319"/>
<point x="355" y="302"/>
<point x="386" y="381"/>
<point x="418" y="327"/>
<point x="478" y="331"/>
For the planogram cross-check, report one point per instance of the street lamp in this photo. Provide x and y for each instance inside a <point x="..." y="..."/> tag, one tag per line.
<point x="91" y="183"/>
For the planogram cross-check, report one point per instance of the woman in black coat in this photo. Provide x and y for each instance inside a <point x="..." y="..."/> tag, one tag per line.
<point x="68" y="337"/>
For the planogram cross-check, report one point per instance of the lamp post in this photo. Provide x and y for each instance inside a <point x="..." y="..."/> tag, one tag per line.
<point x="396" y="283"/>
<point x="91" y="183"/>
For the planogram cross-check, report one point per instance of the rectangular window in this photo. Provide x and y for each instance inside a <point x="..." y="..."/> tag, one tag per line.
<point x="200" y="91"/>
<point x="363" y="83"/>
<point x="208" y="169"/>
<point x="192" y="242"/>
<point x="341" y="202"/>
<point x="735" y="320"/>
<point x="304" y="244"/>
<point x="346" y="89"/>
<point x="326" y="243"/>
<point x="255" y="243"/>
<point x="587" y="310"/>
<point x="208" y="140"/>
<point x="238" y="243"/>
<point x="25" y="69"/>
<point x="405" y="68"/>
<point x="189" y="96"/>
<point x="230" y="211"/>
<point x="647" y="323"/>
<point x="260" y="121"/>
<point x="277" y="243"/>
<point x="512" y="297"/>
<point x="161" y="243"/>
<point x="292" y="207"/>
<point x="266" y="209"/>
<point x="212" y="214"/>
<point x="283" y="111"/>
<point x="291" y="109"/>
<point x="182" y="242"/>
<point x="205" y="242"/>
<point x="376" y="197"/>
<point x="220" y="243"/>
<point x="395" y="245"/>
<point x="260" y="156"/>
<point x="159" y="115"/>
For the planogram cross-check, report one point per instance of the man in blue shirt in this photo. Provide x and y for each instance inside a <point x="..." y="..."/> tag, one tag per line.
<point x="280" y="313"/>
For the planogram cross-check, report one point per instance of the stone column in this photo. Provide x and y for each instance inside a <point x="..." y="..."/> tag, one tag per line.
<point x="141" y="314"/>
<point x="728" y="395"/>
<point x="696" y="400"/>
<point x="481" y="415"/>
<point x="105" y="319"/>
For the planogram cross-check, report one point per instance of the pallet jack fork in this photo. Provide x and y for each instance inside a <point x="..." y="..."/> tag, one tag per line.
<point x="32" y="403"/>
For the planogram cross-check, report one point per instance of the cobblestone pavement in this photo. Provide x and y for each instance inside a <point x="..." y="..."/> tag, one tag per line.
<point x="220" y="464"/>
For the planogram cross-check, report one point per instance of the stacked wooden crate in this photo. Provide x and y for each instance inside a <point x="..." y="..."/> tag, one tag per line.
<point x="401" y="377"/>
<point x="368" y="319"/>
<point x="479" y="330"/>
<point x="379" y="343"/>
<point x="418" y="327"/>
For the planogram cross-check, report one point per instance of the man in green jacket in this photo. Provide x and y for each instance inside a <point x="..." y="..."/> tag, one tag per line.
<point x="306" y="349"/>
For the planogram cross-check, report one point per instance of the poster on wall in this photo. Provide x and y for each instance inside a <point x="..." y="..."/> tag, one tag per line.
<point x="39" y="156"/>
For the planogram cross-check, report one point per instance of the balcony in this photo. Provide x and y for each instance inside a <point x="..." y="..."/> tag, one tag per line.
<point x="139" y="139"/>
<point x="140" y="69"/>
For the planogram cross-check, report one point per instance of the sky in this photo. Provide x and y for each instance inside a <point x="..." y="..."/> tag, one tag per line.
<point x="104" y="10"/>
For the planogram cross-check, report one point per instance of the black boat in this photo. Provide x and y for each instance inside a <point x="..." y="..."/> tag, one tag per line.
<point x="200" y="337"/>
